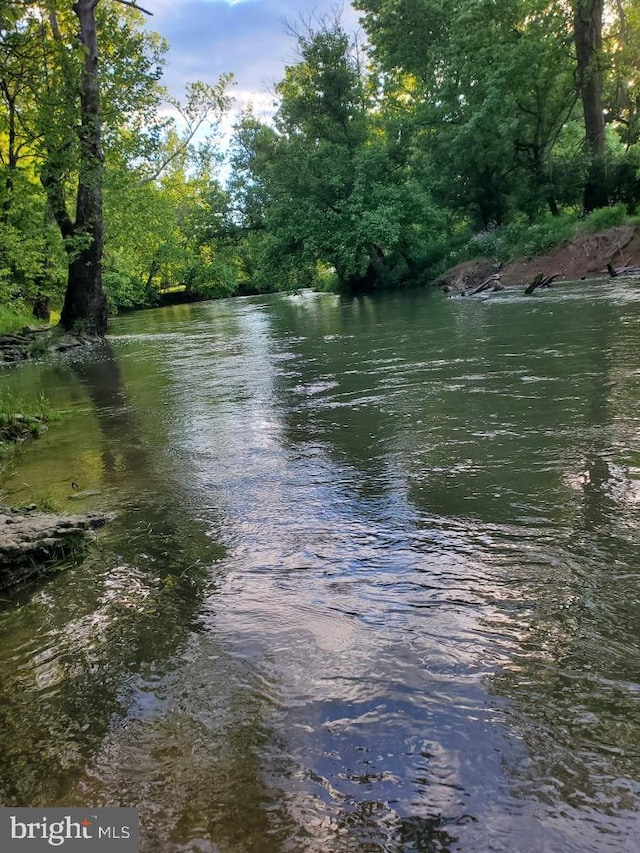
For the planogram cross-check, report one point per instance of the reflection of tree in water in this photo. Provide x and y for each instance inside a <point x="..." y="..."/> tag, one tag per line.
<point x="349" y="377"/>
<point x="125" y="608"/>
<point x="115" y="630"/>
<point x="100" y="374"/>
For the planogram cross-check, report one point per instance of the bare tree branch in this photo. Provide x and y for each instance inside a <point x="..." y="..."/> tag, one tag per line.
<point x="134" y="5"/>
<point x="181" y="148"/>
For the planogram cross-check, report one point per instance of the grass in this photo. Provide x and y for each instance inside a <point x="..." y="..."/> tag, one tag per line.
<point x="13" y="318"/>
<point x="606" y="217"/>
<point x="20" y="419"/>
<point x="12" y="404"/>
<point x="43" y="503"/>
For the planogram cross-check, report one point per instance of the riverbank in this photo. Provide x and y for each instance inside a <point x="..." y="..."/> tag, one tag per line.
<point x="20" y="421"/>
<point x="33" y="542"/>
<point x="35" y="341"/>
<point x="583" y="257"/>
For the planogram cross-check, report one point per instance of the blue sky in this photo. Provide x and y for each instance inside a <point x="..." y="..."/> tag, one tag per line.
<point x="245" y="37"/>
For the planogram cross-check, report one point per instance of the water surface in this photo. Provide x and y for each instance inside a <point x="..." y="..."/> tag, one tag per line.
<point x="373" y="583"/>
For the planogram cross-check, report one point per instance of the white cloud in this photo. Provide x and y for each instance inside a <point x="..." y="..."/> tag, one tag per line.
<point x="245" y="37"/>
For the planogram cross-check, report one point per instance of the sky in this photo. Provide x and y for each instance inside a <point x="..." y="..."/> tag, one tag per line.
<point x="245" y="37"/>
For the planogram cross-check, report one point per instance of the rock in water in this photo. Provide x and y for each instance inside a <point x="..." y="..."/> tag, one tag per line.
<point x="32" y="542"/>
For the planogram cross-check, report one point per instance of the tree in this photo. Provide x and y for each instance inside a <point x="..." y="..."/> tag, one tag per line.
<point x="161" y="177"/>
<point x="330" y="179"/>
<point x="89" y="154"/>
<point x="29" y="250"/>
<point x="68" y="133"/>
<point x="73" y="100"/>
<point x="492" y="87"/>
<point x="85" y="301"/>
<point x="587" y="24"/>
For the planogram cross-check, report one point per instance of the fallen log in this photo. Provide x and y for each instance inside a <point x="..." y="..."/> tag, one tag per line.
<point x="486" y="284"/>
<point x="541" y="280"/>
<point x="614" y="272"/>
<point x="548" y="282"/>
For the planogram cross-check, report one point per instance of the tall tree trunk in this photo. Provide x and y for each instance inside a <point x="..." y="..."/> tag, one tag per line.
<point x="587" y="23"/>
<point x="12" y="157"/>
<point x="85" y="302"/>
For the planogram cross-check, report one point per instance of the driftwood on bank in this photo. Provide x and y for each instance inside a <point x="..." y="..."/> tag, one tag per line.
<point x="541" y="280"/>
<point x="492" y="281"/>
<point x="33" y="542"/>
<point x="614" y="272"/>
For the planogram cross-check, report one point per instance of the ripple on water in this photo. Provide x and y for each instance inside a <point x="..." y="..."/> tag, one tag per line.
<point x="374" y="585"/>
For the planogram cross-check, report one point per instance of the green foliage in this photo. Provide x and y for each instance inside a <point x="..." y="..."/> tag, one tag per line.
<point x="623" y="173"/>
<point x="458" y="132"/>
<point x="154" y="167"/>
<point x="14" y="316"/>
<point x="38" y="347"/>
<point x="332" y="185"/>
<point x="605" y="217"/>
<point x="463" y="136"/>
<point x="522" y="238"/>
<point x="491" y="87"/>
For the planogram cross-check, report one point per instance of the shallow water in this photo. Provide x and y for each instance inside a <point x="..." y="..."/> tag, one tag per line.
<point x="373" y="583"/>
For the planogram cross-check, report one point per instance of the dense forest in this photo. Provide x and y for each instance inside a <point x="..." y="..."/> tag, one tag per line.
<point x="456" y="127"/>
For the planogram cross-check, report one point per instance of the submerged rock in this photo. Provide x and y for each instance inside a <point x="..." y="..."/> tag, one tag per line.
<point x="33" y="542"/>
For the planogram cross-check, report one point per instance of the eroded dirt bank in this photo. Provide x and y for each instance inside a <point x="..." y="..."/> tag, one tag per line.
<point x="585" y="256"/>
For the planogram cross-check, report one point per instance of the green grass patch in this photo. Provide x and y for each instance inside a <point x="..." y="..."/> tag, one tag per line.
<point x="523" y="238"/>
<point x="42" y="503"/>
<point x="13" y="318"/>
<point x="21" y="419"/>
<point x="606" y="217"/>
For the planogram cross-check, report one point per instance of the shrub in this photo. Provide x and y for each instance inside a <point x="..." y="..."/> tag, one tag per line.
<point x="604" y="217"/>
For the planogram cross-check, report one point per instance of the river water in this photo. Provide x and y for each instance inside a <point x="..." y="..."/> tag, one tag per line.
<point x="373" y="584"/>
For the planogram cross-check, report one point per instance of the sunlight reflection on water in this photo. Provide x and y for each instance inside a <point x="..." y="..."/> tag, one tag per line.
<point x="373" y="583"/>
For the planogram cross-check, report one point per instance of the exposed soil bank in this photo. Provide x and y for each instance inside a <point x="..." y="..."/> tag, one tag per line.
<point x="585" y="256"/>
<point x="33" y="542"/>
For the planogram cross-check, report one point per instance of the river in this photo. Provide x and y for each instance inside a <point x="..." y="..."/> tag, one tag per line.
<point x="372" y="584"/>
